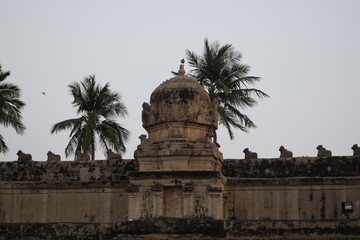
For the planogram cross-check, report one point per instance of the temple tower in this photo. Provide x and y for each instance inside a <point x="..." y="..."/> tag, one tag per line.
<point x="179" y="164"/>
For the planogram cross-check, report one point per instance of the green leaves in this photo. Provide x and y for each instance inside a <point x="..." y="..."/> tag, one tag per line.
<point x="10" y="108"/>
<point x="97" y="106"/>
<point x="220" y="71"/>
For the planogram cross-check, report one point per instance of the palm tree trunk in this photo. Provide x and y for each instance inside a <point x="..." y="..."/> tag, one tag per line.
<point x="92" y="148"/>
<point x="92" y="154"/>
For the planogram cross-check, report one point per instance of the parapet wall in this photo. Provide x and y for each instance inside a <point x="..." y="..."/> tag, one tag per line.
<point x="116" y="170"/>
<point x="66" y="171"/>
<point x="292" y="189"/>
<point x="294" y="167"/>
<point x="65" y="191"/>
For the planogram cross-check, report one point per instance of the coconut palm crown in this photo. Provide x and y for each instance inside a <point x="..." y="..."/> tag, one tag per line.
<point x="97" y="107"/>
<point x="10" y="108"/>
<point x="220" y="71"/>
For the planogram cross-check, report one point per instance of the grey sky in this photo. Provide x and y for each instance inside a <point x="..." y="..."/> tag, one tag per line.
<point x="306" y="52"/>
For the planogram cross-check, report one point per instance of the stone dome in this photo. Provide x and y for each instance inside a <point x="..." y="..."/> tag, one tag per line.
<point x="180" y="99"/>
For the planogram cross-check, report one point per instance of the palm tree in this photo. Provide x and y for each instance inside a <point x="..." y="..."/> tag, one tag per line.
<point x="97" y="107"/>
<point x="10" y="108"/>
<point x="226" y="79"/>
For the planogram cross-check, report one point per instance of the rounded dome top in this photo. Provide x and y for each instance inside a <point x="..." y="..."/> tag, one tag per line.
<point x="180" y="99"/>
<point x="181" y="81"/>
<point x="180" y="89"/>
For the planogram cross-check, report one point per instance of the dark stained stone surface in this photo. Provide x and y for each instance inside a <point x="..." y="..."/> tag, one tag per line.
<point x="295" y="167"/>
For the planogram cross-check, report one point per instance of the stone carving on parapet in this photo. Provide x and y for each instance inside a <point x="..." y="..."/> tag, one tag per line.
<point x="284" y="153"/>
<point x="249" y="154"/>
<point x="356" y="150"/>
<point x="143" y="142"/>
<point x="112" y="156"/>
<point x="323" y="152"/>
<point x="82" y="157"/>
<point x="52" y="157"/>
<point x="24" y="156"/>
<point x="143" y="139"/>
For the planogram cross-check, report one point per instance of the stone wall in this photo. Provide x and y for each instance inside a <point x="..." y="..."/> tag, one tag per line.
<point x="69" y="231"/>
<point x="292" y="189"/>
<point x="296" y="167"/>
<point x="114" y="170"/>
<point x="64" y="191"/>
<point x="292" y="198"/>
<point x="295" y="189"/>
<point x="167" y="228"/>
<point x="185" y="229"/>
<point x="66" y="171"/>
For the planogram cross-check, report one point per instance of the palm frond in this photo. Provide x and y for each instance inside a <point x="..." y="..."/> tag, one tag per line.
<point x="220" y="71"/>
<point x="116" y="135"/>
<point x="66" y="125"/>
<point x="97" y="105"/>
<point x="10" y="107"/>
<point x="3" y="75"/>
<point x="74" y="144"/>
<point x="3" y="147"/>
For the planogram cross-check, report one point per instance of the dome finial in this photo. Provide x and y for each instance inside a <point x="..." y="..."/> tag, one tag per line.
<point x="181" y="71"/>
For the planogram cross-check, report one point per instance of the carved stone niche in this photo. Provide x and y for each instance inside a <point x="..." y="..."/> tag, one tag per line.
<point x="196" y="194"/>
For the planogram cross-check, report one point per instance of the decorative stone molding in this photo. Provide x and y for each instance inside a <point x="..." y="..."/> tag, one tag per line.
<point x="132" y="189"/>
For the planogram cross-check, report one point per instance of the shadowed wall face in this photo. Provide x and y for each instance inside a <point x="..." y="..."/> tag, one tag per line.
<point x="98" y="191"/>
<point x="284" y="202"/>
<point x="66" y="191"/>
<point x="301" y="188"/>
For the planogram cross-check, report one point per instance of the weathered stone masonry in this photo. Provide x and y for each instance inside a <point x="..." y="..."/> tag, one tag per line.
<point x="180" y="187"/>
<point x="296" y="189"/>
<point x="94" y="192"/>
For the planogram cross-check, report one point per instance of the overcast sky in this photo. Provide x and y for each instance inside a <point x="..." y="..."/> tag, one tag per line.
<point x="307" y="54"/>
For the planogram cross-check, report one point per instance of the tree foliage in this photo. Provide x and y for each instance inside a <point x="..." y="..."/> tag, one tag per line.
<point x="10" y="108"/>
<point x="97" y="107"/>
<point x="220" y="71"/>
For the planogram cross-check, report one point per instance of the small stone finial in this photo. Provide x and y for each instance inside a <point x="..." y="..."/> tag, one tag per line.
<point x="181" y="71"/>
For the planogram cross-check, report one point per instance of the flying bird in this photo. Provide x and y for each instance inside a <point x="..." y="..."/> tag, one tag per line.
<point x="182" y="61"/>
<point x="43" y="93"/>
